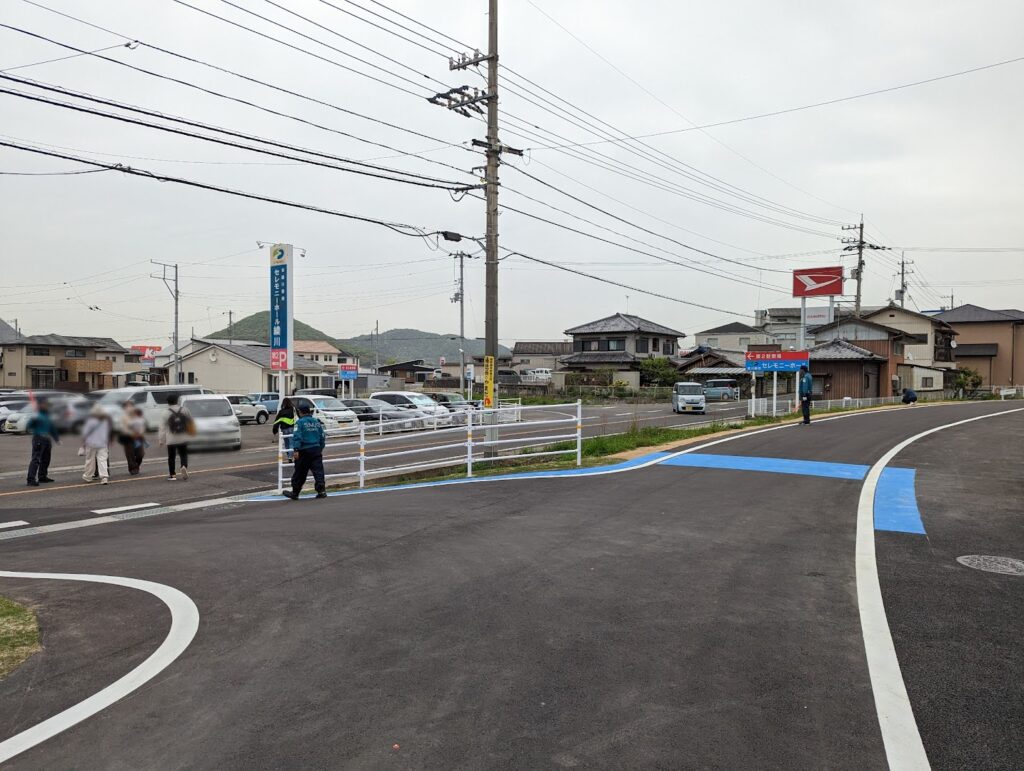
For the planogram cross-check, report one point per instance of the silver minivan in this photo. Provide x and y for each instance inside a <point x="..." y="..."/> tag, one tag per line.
<point x="151" y="399"/>
<point x="688" y="397"/>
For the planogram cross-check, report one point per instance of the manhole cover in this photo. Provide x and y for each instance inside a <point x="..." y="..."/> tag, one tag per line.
<point x="1007" y="565"/>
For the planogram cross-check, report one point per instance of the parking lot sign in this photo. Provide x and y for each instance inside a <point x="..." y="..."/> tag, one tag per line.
<point x="282" y="332"/>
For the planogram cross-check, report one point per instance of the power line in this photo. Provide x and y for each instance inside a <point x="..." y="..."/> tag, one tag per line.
<point x="462" y="46"/>
<point x="65" y="58"/>
<point x="391" y="32"/>
<point x="397" y="227"/>
<point x="415" y="179"/>
<point x="788" y="110"/>
<point x="49" y="173"/>
<point x="558" y="266"/>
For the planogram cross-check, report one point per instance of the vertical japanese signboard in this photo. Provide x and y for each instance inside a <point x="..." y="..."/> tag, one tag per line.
<point x="488" y="382"/>
<point x="282" y="332"/>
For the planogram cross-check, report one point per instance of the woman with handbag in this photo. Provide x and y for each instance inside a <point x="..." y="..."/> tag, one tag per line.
<point x="96" y="437"/>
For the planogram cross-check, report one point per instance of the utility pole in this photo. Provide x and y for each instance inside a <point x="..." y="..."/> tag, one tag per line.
<point x="231" y="327"/>
<point x="902" y="294"/>
<point x="175" y="294"/>
<point x="376" y="347"/>
<point x="952" y="299"/>
<point x="460" y="298"/>
<point x="860" y="245"/>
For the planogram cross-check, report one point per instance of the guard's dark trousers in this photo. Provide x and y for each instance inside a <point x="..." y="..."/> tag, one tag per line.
<point x="805" y="407"/>
<point x="306" y="461"/>
<point x="40" y="463"/>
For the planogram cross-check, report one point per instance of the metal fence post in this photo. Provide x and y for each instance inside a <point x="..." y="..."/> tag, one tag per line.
<point x="469" y="443"/>
<point x="280" y="461"/>
<point x="362" y="454"/>
<point x="579" y="432"/>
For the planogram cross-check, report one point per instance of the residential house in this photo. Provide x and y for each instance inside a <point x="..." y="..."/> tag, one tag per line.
<point x="412" y="371"/>
<point x="704" y="363"/>
<point x="843" y="369"/>
<point x="989" y="341"/>
<point x="538" y="355"/>
<point x="927" y="347"/>
<point x="227" y="368"/>
<point x="67" y="362"/>
<point x="783" y="324"/>
<point x="736" y="336"/>
<point x="883" y="341"/>
<point x="618" y="343"/>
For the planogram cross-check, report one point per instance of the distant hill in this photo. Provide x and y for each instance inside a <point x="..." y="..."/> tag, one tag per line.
<point x="393" y="345"/>
<point x="405" y="344"/>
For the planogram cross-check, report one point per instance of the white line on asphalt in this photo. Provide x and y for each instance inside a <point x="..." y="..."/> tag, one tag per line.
<point x="15" y="523"/>
<point x="903" y="747"/>
<point x="125" y="508"/>
<point x="184" y="623"/>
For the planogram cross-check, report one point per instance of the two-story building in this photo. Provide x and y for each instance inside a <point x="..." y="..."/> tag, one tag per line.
<point x="928" y="347"/>
<point x="878" y="372"/>
<point x="618" y="343"/>
<point x="527" y="355"/>
<point x="989" y="341"/>
<point x="736" y="336"/>
<point x="66" y="362"/>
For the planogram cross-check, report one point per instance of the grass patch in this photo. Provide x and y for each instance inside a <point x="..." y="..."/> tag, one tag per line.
<point x="19" y="635"/>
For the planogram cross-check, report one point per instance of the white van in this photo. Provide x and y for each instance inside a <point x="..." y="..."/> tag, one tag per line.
<point x="688" y="397"/>
<point x="151" y="399"/>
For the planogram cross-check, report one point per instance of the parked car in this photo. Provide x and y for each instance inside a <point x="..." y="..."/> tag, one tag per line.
<point x="17" y="422"/>
<point x="248" y="411"/>
<point x="688" y="397"/>
<point x="375" y="411"/>
<point x="435" y="414"/>
<point x="316" y="392"/>
<point x="456" y="403"/>
<point x="216" y="423"/>
<point x="330" y="411"/>
<point x="152" y="400"/>
<point x="69" y="414"/>
<point x="7" y="407"/>
<point x="723" y="389"/>
<point x="268" y="399"/>
<point x="507" y="377"/>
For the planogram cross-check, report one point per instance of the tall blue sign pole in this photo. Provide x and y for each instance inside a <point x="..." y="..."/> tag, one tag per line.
<point x="282" y="327"/>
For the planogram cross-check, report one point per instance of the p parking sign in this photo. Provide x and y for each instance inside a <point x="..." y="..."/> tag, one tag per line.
<point x="282" y="328"/>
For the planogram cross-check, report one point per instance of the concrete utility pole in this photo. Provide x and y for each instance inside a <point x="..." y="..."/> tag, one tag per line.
<point x="493" y="153"/>
<point x="376" y="347"/>
<point x="460" y="298"/>
<point x="231" y="327"/>
<point x="175" y="294"/>
<point x="860" y="245"/>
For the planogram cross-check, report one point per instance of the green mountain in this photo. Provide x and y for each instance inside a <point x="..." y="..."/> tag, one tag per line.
<point x="405" y="344"/>
<point x="393" y="345"/>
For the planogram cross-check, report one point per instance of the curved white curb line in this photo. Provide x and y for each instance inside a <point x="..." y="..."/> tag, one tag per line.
<point x="184" y="624"/>
<point x="903" y="747"/>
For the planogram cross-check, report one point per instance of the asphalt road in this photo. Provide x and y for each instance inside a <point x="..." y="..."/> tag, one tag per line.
<point x="221" y="473"/>
<point x="678" y="615"/>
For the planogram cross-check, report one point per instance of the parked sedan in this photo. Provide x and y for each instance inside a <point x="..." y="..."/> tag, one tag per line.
<point x="69" y="414"/>
<point x="332" y="414"/>
<point x="247" y="410"/>
<point x="17" y="422"/>
<point x="215" y="421"/>
<point x="268" y="399"/>
<point x="376" y="411"/>
<point x="10" y="407"/>
<point x="436" y="414"/>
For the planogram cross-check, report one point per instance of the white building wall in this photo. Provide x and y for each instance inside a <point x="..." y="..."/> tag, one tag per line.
<point x="228" y="374"/>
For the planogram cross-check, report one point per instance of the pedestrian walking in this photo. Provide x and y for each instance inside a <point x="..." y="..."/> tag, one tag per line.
<point x="308" y="442"/>
<point x="133" y="437"/>
<point x="44" y="434"/>
<point x="285" y="424"/>
<point x="176" y="428"/>
<point x="806" y="387"/>
<point x="97" y="434"/>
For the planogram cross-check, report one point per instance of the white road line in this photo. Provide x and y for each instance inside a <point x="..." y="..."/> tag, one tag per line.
<point x="15" y="523"/>
<point x="125" y="508"/>
<point x="184" y="624"/>
<point x="903" y="746"/>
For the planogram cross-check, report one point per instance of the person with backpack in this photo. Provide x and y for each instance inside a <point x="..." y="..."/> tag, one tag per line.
<point x="308" y="442"/>
<point x="175" y="430"/>
<point x="44" y="434"/>
<point x="97" y="433"/>
<point x="285" y="423"/>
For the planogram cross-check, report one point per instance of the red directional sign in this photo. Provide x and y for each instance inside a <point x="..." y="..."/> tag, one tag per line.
<point x="818" y="282"/>
<point x="776" y="361"/>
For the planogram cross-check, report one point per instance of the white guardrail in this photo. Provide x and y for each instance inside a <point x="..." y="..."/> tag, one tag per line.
<point x="369" y="446"/>
<point x="784" y="406"/>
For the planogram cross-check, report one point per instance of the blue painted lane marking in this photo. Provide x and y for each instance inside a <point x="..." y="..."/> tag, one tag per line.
<point x="772" y="465"/>
<point x="896" y="502"/>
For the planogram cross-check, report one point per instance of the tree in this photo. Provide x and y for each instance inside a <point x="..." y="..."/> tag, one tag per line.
<point x="968" y="381"/>
<point x="658" y="372"/>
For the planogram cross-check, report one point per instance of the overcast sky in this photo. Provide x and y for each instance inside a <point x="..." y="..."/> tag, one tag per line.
<point x="938" y="165"/>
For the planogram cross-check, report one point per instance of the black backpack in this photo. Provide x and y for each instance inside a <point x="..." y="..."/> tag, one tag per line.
<point x="177" y="423"/>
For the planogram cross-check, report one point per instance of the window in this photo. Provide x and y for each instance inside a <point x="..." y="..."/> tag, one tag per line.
<point x="927" y="382"/>
<point x="668" y="348"/>
<point x="591" y="345"/>
<point x="744" y="342"/>
<point x="342" y="360"/>
<point x="654" y="344"/>
<point x="524" y="361"/>
<point x="712" y="342"/>
<point x="641" y="345"/>
<point x="191" y="378"/>
<point x="617" y="344"/>
<point x="38" y="351"/>
<point x="74" y="353"/>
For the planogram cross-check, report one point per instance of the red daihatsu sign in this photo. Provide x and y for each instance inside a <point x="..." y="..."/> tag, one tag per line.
<point x="818" y="282"/>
